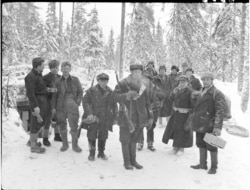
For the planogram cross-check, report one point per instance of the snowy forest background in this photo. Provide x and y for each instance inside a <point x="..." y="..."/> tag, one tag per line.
<point x="208" y="36"/>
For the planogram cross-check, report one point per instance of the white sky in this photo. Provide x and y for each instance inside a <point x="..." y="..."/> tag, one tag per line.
<point x="109" y="14"/>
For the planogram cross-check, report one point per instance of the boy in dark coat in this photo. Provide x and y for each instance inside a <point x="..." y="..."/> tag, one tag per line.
<point x="193" y="81"/>
<point x="207" y="118"/>
<point x="50" y="81"/>
<point x="173" y="77"/>
<point x="182" y="106"/>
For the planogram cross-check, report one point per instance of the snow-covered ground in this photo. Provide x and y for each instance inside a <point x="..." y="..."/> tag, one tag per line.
<point x="22" y="169"/>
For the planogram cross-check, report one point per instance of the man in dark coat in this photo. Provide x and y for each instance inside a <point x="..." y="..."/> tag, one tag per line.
<point x="207" y="118"/>
<point x="163" y="82"/>
<point x="173" y="77"/>
<point x="37" y="95"/>
<point x="156" y="97"/>
<point x="182" y="106"/>
<point x="151" y="65"/>
<point x="193" y="81"/>
<point x="139" y="112"/>
<point x="65" y="104"/>
<point x="100" y="102"/>
<point x="50" y="81"/>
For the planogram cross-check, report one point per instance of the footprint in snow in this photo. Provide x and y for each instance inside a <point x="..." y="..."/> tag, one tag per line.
<point x="101" y="177"/>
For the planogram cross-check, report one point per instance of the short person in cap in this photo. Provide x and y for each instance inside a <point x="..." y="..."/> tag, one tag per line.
<point x="99" y="102"/>
<point x="193" y="81"/>
<point x="65" y="104"/>
<point x="207" y="118"/>
<point x="173" y="77"/>
<point x="140" y="114"/>
<point x="182" y="107"/>
<point x="50" y="81"/>
<point x="151" y="65"/>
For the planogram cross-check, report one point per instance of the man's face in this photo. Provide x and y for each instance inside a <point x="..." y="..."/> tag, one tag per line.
<point x="162" y="71"/>
<point x="54" y="70"/>
<point x="183" y="83"/>
<point x="103" y="83"/>
<point x="150" y="66"/>
<point x="207" y="82"/>
<point x="184" y="68"/>
<point x="189" y="74"/>
<point x="41" y="67"/>
<point x="66" y="70"/>
<point x="136" y="73"/>
<point x="173" y="71"/>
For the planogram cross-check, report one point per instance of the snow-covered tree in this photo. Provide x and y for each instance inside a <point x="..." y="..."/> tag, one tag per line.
<point x="94" y="54"/>
<point x="51" y="18"/>
<point x="160" y="48"/>
<point x="109" y="51"/>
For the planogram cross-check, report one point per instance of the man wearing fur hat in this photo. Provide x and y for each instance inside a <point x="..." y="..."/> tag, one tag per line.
<point x="207" y="118"/>
<point x="99" y="104"/>
<point x="139" y="111"/>
<point x="173" y="77"/>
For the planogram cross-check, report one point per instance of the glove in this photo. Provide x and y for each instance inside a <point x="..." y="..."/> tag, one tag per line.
<point x="37" y="110"/>
<point x="150" y="123"/>
<point x="217" y="132"/>
<point x="90" y="117"/>
<point x="131" y="95"/>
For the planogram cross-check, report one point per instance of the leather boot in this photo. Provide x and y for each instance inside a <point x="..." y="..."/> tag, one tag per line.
<point x="92" y="144"/>
<point x="75" y="146"/>
<point x="151" y="147"/>
<point x="45" y="137"/>
<point x="65" y="144"/>
<point x="140" y="146"/>
<point x="57" y="137"/>
<point x="126" y="156"/>
<point x="132" y="147"/>
<point x="34" y="148"/>
<point x="101" y="148"/>
<point x="38" y="144"/>
<point x="214" y="162"/>
<point x="203" y="160"/>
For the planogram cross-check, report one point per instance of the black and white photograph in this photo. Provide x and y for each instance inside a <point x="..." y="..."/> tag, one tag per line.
<point x="125" y="95"/>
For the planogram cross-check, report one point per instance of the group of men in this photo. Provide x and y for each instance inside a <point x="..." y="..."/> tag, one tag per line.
<point x="143" y="96"/>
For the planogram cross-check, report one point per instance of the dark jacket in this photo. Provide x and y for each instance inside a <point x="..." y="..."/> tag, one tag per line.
<point x="175" y="128"/>
<point x="50" y="81"/>
<point x="173" y="81"/>
<point x="34" y="86"/>
<point x="164" y="83"/>
<point x="195" y="83"/>
<point x="208" y="112"/>
<point x="102" y="103"/>
<point x="58" y="98"/>
<point x="140" y="109"/>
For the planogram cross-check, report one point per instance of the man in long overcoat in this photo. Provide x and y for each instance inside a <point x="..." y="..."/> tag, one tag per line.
<point x="140" y="114"/>
<point x="100" y="102"/>
<point x="207" y="118"/>
<point x="182" y="106"/>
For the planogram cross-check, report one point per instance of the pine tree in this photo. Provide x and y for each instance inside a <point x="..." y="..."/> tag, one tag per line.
<point x="51" y="18"/>
<point x="160" y="49"/>
<point x="109" y="51"/>
<point x="140" y="36"/>
<point x="94" y="56"/>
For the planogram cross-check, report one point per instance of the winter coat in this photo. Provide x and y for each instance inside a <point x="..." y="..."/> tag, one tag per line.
<point x="208" y="111"/>
<point x="175" y="128"/>
<point x="58" y="98"/>
<point x="50" y="81"/>
<point x="163" y="82"/>
<point x="102" y="103"/>
<point x="173" y="81"/>
<point x="195" y="83"/>
<point x="34" y="86"/>
<point x="139" y="109"/>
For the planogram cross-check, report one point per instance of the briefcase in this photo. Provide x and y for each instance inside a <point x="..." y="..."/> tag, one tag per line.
<point x="214" y="140"/>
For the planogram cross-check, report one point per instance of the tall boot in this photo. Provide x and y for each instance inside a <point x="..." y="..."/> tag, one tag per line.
<point x="203" y="160"/>
<point x="46" y="137"/>
<point x="92" y="144"/>
<point x="126" y="156"/>
<point x="101" y="148"/>
<point x="33" y="147"/>
<point x="57" y="134"/>
<point x="132" y="147"/>
<point x="214" y="162"/>
<point x="65" y="143"/>
<point x="151" y="147"/>
<point x="75" y="146"/>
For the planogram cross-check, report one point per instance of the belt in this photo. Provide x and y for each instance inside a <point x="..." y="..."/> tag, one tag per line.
<point x="181" y="110"/>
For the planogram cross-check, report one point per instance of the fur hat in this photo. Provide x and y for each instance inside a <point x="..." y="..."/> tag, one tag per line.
<point x="175" y="67"/>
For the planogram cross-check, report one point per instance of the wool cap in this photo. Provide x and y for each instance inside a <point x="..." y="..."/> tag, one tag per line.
<point x="102" y="76"/>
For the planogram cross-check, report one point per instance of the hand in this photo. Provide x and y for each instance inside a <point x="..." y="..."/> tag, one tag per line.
<point x="90" y="117"/>
<point x="37" y="110"/>
<point x="217" y="132"/>
<point x="131" y="95"/>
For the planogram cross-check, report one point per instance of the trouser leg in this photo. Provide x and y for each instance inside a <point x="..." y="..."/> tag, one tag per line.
<point x="132" y="149"/>
<point x="92" y="145"/>
<point x="126" y="156"/>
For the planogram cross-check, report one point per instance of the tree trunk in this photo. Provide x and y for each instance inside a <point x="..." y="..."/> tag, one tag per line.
<point x="245" y="90"/>
<point x="121" y="41"/>
<point x="72" y="23"/>
<point x="232" y="49"/>
<point x="241" y="63"/>
<point x="60" y="19"/>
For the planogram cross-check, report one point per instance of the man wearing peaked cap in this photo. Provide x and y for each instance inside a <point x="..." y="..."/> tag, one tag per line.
<point x="133" y="67"/>
<point x="183" y="78"/>
<point x="102" y="76"/>
<point x="207" y="75"/>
